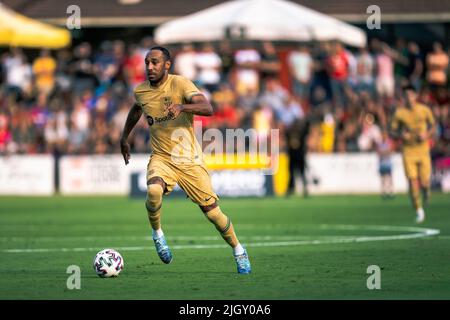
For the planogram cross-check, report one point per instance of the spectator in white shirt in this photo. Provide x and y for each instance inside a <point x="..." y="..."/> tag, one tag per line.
<point x="185" y="62"/>
<point x="247" y="74"/>
<point x="301" y="66"/>
<point x="370" y="135"/>
<point x="365" y="71"/>
<point x="209" y="66"/>
<point x="18" y="73"/>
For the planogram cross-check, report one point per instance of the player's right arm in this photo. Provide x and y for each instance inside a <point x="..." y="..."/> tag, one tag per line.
<point x="394" y="126"/>
<point x="133" y="117"/>
<point x="429" y="133"/>
<point x="396" y="129"/>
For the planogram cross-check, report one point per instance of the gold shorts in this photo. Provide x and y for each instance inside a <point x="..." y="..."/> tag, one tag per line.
<point x="194" y="179"/>
<point x="418" y="166"/>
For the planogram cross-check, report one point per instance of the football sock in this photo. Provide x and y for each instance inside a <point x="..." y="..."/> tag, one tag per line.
<point x="157" y="233"/>
<point x="420" y="215"/>
<point x="415" y="195"/>
<point x="153" y="205"/>
<point x="223" y="225"/>
<point x="425" y="195"/>
<point x="238" y="250"/>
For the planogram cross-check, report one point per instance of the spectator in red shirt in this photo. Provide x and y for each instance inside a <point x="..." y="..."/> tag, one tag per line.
<point x="338" y="64"/>
<point x="133" y="67"/>
<point x="226" y="116"/>
<point x="5" y="134"/>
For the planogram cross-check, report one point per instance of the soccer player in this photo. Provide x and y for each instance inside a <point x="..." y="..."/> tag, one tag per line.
<point x="169" y="103"/>
<point x="414" y="125"/>
<point x="296" y="137"/>
<point x="385" y="150"/>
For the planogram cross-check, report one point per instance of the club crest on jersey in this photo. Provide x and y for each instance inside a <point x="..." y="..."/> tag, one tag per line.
<point x="167" y="101"/>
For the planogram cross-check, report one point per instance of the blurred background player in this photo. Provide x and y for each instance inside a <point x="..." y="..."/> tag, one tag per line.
<point x="296" y="139"/>
<point x="385" y="150"/>
<point x="413" y="124"/>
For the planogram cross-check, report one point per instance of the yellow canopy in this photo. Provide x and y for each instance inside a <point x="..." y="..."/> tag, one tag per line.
<point x="17" y="30"/>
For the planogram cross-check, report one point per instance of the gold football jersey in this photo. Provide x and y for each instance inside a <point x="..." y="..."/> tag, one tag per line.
<point x="415" y="120"/>
<point x="173" y="139"/>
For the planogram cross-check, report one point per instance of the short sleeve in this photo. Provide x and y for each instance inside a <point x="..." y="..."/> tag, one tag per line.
<point x="138" y="94"/>
<point x="430" y="117"/>
<point x="188" y="89"/>
<point x="136" y="97"/>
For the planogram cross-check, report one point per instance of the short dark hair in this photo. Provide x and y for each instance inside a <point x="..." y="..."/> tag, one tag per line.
<point x="164" y="51"/>
<point x="408" y="86"/>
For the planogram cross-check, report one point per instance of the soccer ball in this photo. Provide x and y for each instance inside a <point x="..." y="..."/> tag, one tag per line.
<point x="108" y="263"/>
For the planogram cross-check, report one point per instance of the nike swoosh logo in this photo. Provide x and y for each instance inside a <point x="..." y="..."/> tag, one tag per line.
<point x="207" y="199"/>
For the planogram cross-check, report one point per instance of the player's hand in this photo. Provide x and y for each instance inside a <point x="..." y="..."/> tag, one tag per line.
<point x="175" y="110"/>
<point x="125" y="150"/>
<point x="422" y="137"/>
<point x="406" y="136"/>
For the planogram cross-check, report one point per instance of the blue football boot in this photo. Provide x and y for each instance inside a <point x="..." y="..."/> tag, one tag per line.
<point x="243" y="263"/>
<point x="163" y="250"/>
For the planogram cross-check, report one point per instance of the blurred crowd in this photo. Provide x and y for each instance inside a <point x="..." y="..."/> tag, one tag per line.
<point x="75" y="101"/>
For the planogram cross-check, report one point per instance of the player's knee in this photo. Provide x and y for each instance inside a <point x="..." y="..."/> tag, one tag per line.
<point x="209" y="208"/>
<point x="425" y="184"/>
<point x="214" y="213"/>
<point x="219" y="219"/>
<point x="414" y="183"/>
<point x="154" y="197"/>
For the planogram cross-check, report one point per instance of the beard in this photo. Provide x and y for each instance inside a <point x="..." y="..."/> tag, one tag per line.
<point x="156" y="80"/>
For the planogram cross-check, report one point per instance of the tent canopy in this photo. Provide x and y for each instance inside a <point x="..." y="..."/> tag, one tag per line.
<point x="275" y="20"/>
<point x="19" y="31"/>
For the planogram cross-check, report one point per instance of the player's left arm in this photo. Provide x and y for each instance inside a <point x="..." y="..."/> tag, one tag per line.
<point x="431" y="126"/>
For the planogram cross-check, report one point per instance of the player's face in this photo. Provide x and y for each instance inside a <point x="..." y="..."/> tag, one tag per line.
<point x="410" y="97"/>
<point x="156" y="66"/>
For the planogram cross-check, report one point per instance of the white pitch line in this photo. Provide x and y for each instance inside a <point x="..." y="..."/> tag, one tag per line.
<point x="421" y="233"/>
<point x="214" y="238"/>
<point x="146" y="238"/>
<point x="100" y="238"/>
<point x="372" y="228"/>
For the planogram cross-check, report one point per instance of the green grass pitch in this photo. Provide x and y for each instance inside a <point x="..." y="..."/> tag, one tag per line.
<point x="316" y="248"/>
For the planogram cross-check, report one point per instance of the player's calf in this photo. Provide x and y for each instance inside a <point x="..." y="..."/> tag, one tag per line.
<point x="225" y="227"/>
<point x="425" y="190"/>
<point x="414" y="189"/>
<point x="153" y="204"/>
